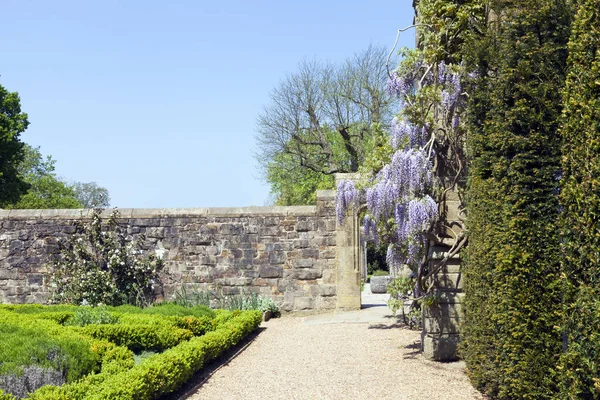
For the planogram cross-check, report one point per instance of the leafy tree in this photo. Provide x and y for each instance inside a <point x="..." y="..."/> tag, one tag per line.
<point x="295" y="186"/>
<point x="13" y="122"/>
<point x="319" y="121"/>
<point x="579" y="367"/>
<point x="46" y="190"/>
<point x="90" y="195"/>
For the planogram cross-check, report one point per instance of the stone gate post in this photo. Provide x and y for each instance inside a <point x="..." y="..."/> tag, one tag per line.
<point x="348" y="256"/>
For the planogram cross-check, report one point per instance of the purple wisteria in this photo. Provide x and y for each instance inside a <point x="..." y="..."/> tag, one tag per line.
<point x="407" y="175"/>
<point x="370" y="228"/>
<point x="405" y="135"/>
<point x="345" y="197"/>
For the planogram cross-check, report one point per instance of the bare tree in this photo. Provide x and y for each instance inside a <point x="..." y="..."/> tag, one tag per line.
<point x="321" y="116"/>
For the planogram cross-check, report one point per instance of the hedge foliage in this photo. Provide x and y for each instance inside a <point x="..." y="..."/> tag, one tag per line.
<point x="511" y="342"/>
<point x="162" y="373"/>
<point x="44" y="346"/>
<point x="579" y="367"/>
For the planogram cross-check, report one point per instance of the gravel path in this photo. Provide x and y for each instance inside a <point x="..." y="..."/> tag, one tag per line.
<point x="316" y="358"/>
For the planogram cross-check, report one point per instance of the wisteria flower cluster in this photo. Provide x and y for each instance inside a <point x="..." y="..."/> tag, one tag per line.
<point x="345" y="198"/>
<point x="406" y="176"/>
<point x="405" y="136"/>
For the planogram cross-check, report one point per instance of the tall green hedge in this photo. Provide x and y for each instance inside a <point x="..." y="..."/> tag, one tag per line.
<point x="579" y="367"/>
<point x="511" y="341"/>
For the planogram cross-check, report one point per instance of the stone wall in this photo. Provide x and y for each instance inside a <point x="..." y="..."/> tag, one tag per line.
<point x="286" y="253"/>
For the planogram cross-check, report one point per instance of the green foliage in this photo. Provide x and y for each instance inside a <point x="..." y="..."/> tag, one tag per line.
<point x="87" y="315"/>
<point x="46" y="190"/>
<point x="380" y="272"/>
<point x="90" y="195"/>
<point x="295" y="186"/>
<point x="13" y="122"/>
<point x="376" y="258"/>
<point x="169" y="309"/>
<point x="98" y="265"/>
<point x="191" y="297"/>
<point x="6" y="396"/>
<point x="513" y="293"/>
<point x="399" y="289"/>
<point x="25" y="346"/>
<point x="139" y="337"/>
<point x="579" y="367"/>
<point x="162" y="373"/>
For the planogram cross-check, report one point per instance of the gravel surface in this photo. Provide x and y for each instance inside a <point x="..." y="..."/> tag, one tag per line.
<point x="294" y="359"/>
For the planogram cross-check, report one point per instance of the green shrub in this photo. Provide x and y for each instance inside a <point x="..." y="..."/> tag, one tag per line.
<point x="32" y="358"/>
<point x="192" y="297"/>
<point x="198" y="326"/>
<point x="380" y="272"/>
<point x="162" y="373"/>
<point x="139" y="337"/>
<point x="87" y="315"/>
<point x="98" y="265"/>
<point x="6" y="396"/>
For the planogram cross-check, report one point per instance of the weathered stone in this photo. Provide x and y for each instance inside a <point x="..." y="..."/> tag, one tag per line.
<point x="277" y="251"/>
<point x="440" y="347"/>
<point x="303" y="303"/>
<point x="308" y="274"/>
<point x="441" y="325"/>
<point x="266" y="271"/>
<point x="379" y="284"/>
<point x="326" y="290"/>
<point x="304" y="263"/>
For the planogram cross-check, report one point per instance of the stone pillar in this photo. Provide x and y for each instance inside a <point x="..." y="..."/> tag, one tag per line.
<point x="348" y="257"/>
<point x="441" y="322"/>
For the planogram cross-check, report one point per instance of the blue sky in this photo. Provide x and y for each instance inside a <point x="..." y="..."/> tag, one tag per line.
<point x="157" y="100"/>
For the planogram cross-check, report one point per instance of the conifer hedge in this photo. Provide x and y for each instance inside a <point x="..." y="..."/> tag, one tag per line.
<point x="579" y="367"/>
<point x="511" y="339"/>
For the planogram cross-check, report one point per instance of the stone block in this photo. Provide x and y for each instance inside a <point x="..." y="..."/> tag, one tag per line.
<point x="308" y="274"/>
<point x="266" y="271"/>
<point x="441" y="325"/>
<point x="303" y="303"/>
<point x="448" y="281"/>
<point x="277" y="257"/>
<point x="304" y="263"/>
<point x="444" y="311"/>
<point x="326" y="290"/>
<point x="300" y="243"/>
<point x="35" y="279"/>
<point x="379" y="284"/>
<point x="440" y="347"/>
<point x="451" y="267"/>
<point x="304" y="226"/>
<point x="155" y="232"/>
<point x="450" y="297"/>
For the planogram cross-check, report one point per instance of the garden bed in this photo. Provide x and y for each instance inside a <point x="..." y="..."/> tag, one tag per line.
<point x="111" y="352"/>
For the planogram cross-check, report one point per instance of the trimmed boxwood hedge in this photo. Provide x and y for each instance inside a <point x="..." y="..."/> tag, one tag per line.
<point x="162" y="373"/>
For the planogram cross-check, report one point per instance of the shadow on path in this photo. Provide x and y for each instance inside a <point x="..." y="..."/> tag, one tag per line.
<point x="196" y="381"/>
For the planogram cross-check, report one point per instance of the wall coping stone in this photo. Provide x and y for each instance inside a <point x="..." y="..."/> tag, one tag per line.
<point x="163" y="212"/>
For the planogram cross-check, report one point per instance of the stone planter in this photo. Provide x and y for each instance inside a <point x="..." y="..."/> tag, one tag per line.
<point x="267" y="315"/>
<point x="379" y="284"/>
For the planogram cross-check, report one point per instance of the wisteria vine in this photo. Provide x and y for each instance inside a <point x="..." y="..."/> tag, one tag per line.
<point x="399" y="198"/>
